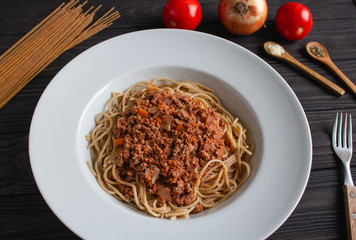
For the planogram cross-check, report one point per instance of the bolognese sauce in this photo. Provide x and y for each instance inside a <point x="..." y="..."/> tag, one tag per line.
<point x="169" y="148"/>
<point x="166" y="139"/>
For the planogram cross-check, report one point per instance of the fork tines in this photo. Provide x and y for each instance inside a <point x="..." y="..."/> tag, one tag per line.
<point x="342" y="136"/>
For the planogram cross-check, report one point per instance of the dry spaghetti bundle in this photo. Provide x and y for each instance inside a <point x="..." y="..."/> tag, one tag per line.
<point x="65" y="27"/>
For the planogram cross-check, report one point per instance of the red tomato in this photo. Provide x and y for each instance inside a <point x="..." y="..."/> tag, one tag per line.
<point x="183" y="14"/>
<point x="293" y="21"/>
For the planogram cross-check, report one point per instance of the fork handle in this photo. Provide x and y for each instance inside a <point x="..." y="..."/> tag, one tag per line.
<point x="350" y="207"/>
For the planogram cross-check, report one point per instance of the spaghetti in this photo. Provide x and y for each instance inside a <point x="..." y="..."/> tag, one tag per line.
<point x="168" y="148"/>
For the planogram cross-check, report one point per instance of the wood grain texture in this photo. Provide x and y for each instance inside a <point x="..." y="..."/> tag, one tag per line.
<point x="350" y="210"/>
<point x="320" y="213"/>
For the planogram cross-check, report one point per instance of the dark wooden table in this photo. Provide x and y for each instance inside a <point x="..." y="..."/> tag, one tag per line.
<point x="320" y="213"/>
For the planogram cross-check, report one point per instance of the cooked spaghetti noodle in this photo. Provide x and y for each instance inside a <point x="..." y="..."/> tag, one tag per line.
<point x="196" y="162"/>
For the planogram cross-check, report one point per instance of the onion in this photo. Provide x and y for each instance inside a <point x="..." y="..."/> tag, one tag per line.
<point x="166" y="122"/>
<point x="155" y="174"/>
<point x="243" y="17"/>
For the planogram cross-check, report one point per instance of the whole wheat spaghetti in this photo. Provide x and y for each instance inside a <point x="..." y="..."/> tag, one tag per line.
<point x="65" y="27"/>
<point x="168" y="148"/>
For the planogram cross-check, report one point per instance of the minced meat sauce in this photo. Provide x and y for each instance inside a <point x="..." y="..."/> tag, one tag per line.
<point x="167" y="139"/>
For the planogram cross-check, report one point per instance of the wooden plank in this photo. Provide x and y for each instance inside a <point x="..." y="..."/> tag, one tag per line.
<point x="320" y="213"/>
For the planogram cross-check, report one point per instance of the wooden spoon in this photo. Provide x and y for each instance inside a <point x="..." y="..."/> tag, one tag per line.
<point x="285" y="56"/>
<point x="325" y="58"/>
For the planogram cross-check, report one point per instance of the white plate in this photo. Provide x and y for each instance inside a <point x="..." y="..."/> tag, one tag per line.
<point x="248" y="87"/>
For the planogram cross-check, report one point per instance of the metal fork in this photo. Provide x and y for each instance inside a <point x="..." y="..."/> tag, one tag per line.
<point x="342" y="145"/>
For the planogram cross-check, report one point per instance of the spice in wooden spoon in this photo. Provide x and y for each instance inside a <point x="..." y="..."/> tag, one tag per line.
<point x="277" y="51"/>
<point x="319" y="52"/>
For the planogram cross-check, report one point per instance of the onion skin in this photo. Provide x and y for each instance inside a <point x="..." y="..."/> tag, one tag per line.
<point x="245" y="22"/>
